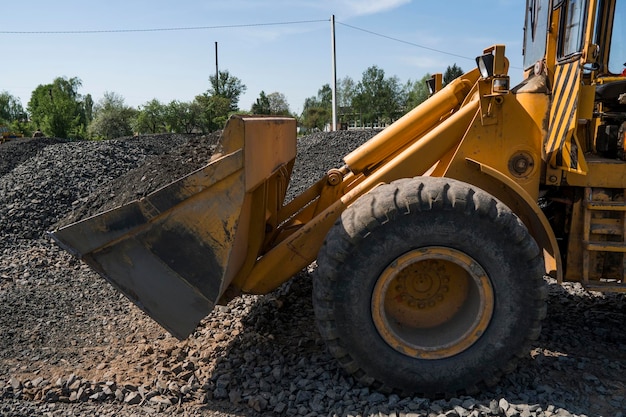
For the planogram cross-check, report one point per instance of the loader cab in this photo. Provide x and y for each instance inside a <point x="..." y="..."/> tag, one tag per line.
<point x="557" y="30"/>
<point x="578" y="47"/>
<point x="535" y="32"/>
<point x="610" y="35"/>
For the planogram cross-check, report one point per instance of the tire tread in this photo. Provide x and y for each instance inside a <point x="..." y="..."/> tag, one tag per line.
<point x="406" y="197"/>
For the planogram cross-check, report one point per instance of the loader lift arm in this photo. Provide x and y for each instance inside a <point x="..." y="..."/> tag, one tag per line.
<point x="430" y="242"/>
<point x="224" y="230"/>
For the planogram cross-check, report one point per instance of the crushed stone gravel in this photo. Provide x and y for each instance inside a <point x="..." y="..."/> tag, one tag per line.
<point x="70" y="345"/>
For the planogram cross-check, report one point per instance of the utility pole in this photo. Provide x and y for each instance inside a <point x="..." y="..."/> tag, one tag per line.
<point x="334" y="61"/>
<point x="217" y="74"/>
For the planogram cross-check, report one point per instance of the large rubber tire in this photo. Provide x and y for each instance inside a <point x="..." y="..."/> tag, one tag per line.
<point x="429" y="286"/>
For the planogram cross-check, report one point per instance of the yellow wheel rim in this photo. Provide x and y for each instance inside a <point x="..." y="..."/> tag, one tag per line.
<point x="432" y="303"/>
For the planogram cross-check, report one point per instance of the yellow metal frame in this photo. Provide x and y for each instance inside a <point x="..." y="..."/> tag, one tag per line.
<point x="448" y="275"/>
<point x="506" y="143"/>
<point x="459" y="133"/>
<point x="510" y="143"/>
<point x="420" y="147"/>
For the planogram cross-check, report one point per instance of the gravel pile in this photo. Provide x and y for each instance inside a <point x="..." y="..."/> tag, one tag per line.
<point x="14" y="152"/>
<point x="70" y="345"/>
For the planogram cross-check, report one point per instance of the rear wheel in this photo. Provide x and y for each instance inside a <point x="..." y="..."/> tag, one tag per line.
<point x="429" y="286"/>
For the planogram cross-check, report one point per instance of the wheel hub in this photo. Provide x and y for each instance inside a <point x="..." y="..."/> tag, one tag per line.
<point x="432" y="302"/>
<point x="425" y="286"/>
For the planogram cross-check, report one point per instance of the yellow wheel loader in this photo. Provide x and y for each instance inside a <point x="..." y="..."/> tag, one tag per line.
<point x="6" y="134"/>
<point x="432" y="241"/>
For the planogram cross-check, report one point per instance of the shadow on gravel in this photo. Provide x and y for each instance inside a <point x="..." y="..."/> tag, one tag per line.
<point x="278" y="364"/>
<point x="578" y="362"/>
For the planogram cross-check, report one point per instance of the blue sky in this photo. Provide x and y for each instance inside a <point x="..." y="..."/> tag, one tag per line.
<point x="293" y="59"/>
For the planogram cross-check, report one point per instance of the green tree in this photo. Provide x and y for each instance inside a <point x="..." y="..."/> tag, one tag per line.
<point x="214" y="112"/>
<point x="227" y="86"/>
<point x="346" y="90"/>
<point x="261" y="105"/>
<point x="219" y="101"/>
<point x="112" y="118"/>
<point x="395" y="99"/>
<point x="378" y="99"/>
<point x="11" y="108"/>
<point x="58" y="110"/>
<point x="416" y="92"/>
<point x="278" y="104"/>
<point x="151" y="117"/>
<point x="183" y="117"/>
<point x="317" y="111"/>
<point x="315" y="117"/>
<point x="325" y="96"/>
<point x="452" y="72"/>
<point x="273" y="103"/>
<point x="88" y="104"/>
<point x="13" y="114"/>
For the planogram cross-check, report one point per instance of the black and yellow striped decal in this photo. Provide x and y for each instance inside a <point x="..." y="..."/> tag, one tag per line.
<point x="562" y="146"/>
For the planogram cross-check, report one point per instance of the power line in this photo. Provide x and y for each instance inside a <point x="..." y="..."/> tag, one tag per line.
<point x="190" y="28"/>
<point x="73" y="32"/>
<point x="405" y="42"/>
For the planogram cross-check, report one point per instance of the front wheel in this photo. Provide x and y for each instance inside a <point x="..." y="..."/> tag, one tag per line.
<point x="429" y="286"/>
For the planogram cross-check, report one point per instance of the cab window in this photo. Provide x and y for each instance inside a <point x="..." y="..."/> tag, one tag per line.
<point x="535" y="31"/>
<point x="573" y="24"/>
<point x="617" y="52"/>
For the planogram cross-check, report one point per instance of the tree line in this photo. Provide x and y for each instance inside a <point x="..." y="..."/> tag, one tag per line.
<point x="58" y="109"/>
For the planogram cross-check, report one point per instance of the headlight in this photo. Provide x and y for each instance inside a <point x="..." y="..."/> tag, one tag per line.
<point x="485" y="65"/>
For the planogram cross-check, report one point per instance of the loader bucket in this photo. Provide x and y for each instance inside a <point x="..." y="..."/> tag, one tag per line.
<point x="175" y="251"/>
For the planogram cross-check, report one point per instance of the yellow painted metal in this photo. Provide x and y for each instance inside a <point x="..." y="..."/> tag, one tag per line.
<point x="552" y="41"/>
<point x="577" y="260"/>
<point x="269" y="147"/>
<point x="238" y="233"/>
<point x="606" y="287"/>
<point x="411" y="126"/>
<point x="505" y="159"/>
<point x="585" y="106"/>
<point x="603" y="244"/>
<point x="572" y="93"/>
<point x="524" y="206"/>
<point x="511" y="145"/>
<point x="268" y="144"/>
<point x="601" y="172"/>
<point x="597" y="241"/>
<point x="176" y="251"/>
<point x="432" y="303"/>
<point x="168" y="251"/>
<point x="590" y="52"/>
<point x="606" y="21"/>
<point x="7" y="134"/>
<point x="436" y="83"/>
<point x="300" y="248"/>
<point x="562" y="146"/>
<point x="500" y="63"/>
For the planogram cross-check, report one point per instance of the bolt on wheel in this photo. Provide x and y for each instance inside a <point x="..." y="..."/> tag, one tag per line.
<point x="432" y="303"/>
<point x="429" y="286"/>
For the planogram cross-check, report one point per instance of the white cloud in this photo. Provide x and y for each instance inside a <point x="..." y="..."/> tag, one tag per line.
<point x="351" y="8"/>
<point x="365" y="7"/>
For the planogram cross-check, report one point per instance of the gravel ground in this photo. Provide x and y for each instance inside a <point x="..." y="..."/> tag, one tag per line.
<point x="70" y="345"/>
